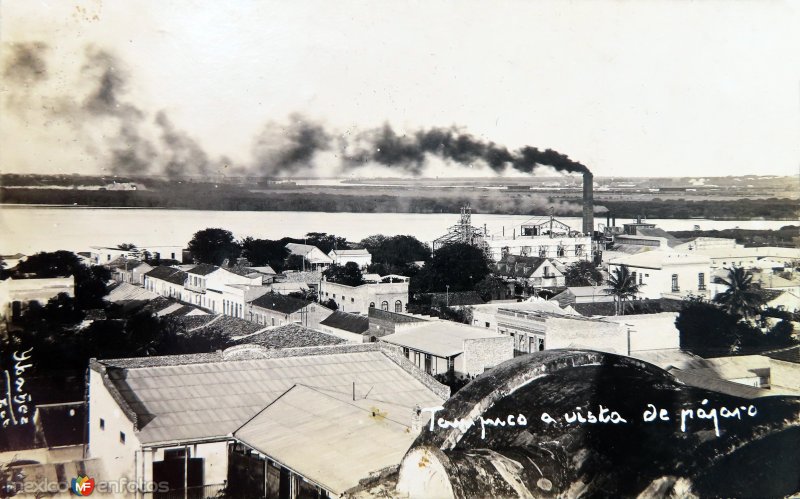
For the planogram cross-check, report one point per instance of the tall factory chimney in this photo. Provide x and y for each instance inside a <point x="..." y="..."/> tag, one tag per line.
<point x="588" y="203"/>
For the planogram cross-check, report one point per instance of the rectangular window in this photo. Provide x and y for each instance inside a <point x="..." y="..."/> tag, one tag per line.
<point x="102" y="424"/>
<point x="487" y="324"/>
<point x="405" y="352"/>
<point x="121" y="437"/>
<point x="675" y="286"/>
<point x="450" y="364"/>
<point x="640" y="278"/>
<point x="701" y="281"/>
<point x="352" y="300"/>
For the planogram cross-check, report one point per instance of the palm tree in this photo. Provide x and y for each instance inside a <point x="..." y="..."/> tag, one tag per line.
<point x="742" y="296"/>
<point x="622" y="284"/>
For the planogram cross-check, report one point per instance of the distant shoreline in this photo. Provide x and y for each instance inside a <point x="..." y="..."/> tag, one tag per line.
<point x="598" y="216"/>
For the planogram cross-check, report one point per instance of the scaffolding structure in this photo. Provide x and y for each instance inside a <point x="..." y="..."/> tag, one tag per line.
<point x="465" y="233"/>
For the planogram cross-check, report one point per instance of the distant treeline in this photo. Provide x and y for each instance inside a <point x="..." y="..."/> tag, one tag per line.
<point x="785" y="236"/>
<point x="200" y="196"/>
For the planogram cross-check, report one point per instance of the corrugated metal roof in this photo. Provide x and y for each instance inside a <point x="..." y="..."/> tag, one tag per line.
<point x="332" y="441"/>
<point x="182" y="398"/>
<point x="440" y="338"/>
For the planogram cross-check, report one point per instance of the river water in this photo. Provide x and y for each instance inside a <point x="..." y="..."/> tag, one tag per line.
<point x="28" y="229"/>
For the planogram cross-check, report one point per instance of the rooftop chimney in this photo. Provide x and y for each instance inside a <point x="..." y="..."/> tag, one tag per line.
<point x="588" y="203"/>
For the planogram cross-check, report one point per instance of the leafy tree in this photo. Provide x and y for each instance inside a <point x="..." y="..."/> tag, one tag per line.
<point x="295" y="262"/>
<point x="349" y="274"/>
<point x="60" y="309"/>
<point x="331" y="304"/>
<point x="91" y="283"/>
<point x="583" y="273"/>
<point x="622" y="285"/>
<point x="491" y="288"/>
<point x="459" y="266"/>
<point x="741" y="296"/>
<point x="214" y="246"/>
<point x="705" y="328"/>
<point x="59" y="263"/>
<point x="305" y="294"/>
<point x="2" y="268"/>
<point x="262" y="252"/>
<point x="396" y="251"/>
<point x="781" y="334"/>
<point x="325" y="242"/>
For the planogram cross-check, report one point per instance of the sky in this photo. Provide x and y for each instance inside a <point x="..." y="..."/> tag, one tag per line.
<point x="656" y="88"/>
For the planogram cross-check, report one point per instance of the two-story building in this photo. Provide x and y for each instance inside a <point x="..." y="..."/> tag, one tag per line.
<point x="166" y="281"/>
<point x="313" y="257"/>
<point x="221" y="290"/>
<point x="129" y="270"/>
<point x="388" y="293"/>
<point x="667" y="274"/>
<point x="530" y="271"/>
<point x="547" y="238"/>
<point x="360" y="257"/>
<point x="101" y="255"/>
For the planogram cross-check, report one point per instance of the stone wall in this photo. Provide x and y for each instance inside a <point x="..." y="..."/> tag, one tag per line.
<point x="484" y="353"/>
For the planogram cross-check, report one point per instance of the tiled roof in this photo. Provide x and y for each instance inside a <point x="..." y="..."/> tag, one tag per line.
<point x="128" y="292"/>
<point x="280" y="303"/>
<point x="347" y="322"/>
<point x="290" y="336"/>
<point x="189" y="397"/>
<point x="169" y="274"/>
<point x="224" y="325"/>
<point x="203" y="269"/>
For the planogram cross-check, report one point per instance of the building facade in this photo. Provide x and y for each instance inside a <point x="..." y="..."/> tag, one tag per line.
<point x="667" y="274"/>
<point x="391" y="296"/>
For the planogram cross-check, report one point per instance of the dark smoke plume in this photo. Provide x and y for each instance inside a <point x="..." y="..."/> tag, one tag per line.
<point x="286" y="149"/>
<point x="130" y="150"/>
<point x="409" y="152"/>
<point x="26" y="64"/>
<point x="182" y="154"/>
<point x="136" y="143"/>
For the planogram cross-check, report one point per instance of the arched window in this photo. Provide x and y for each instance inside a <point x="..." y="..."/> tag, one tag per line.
<point x="372" y="304"/>
<point x="398" y="306"/>
<point x="385" y="306"/>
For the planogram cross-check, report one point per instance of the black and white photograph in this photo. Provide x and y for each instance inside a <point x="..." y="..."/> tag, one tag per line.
<point x="399" y="249"/>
